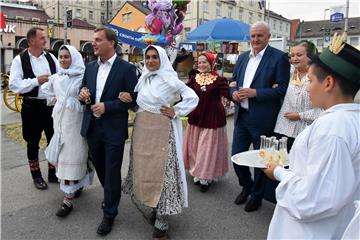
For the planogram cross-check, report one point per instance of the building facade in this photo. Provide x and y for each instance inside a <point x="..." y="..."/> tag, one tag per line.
<point x="321" y="32"/>
<point x="20" y="18"/>
<point x="95" y="12"/>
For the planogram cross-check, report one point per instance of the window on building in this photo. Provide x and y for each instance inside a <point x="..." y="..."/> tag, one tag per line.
<point x="241" y="14"/>
<point x="91" y="3"/>
<point x="91" y="15"/>
<point x="274" y="24"/>
<point x="281" y="26"/>
<point x="251" y="2"/>
<point x="206" y="6"/>
<point x="188" y="8"/>
<point x="102" y="17"/>
<point x="218" y="9"/>
<point x="288" y="28"/>
<point x="354" y="41"/>
<point x="259" y="16"/>
<point x="319" y="42"/>
<point x="251" y="17"/>
<point x="126" y="17"/>
<point x="78" y="13"/>
<point x="187" y="29"/>
<point x="78" y="1"/>
<point x="230" y="13"/>
<point x="102" y="3"/>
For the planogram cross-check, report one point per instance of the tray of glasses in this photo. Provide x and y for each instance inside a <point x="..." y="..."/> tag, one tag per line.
<point x="251" y="159"/>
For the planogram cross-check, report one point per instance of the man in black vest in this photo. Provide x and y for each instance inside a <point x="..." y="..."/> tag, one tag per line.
<point x="29" y="70"/>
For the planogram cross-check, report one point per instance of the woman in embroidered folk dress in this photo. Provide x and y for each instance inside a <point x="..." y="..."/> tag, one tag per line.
<point x="205" y="148"/>
<point x="156" y="176"/>
<point x="297" y="112"/>
<point x="72" y="169"/>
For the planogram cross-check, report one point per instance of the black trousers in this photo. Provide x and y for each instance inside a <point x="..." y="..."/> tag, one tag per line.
<point x="36" y="118"/>
<point x="106" y="156"/>
<point x="245" y="135"/>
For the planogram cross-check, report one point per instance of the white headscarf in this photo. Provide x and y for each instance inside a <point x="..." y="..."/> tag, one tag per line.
<point x="77" y="66"/>
<point x="165" y="72"/>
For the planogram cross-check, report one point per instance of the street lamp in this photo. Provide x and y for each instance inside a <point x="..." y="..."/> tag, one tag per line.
<point x="324" y="27"/>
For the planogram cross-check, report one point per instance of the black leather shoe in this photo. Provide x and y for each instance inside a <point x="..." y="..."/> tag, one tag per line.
<point x="52" y="178"/>
<point x="242" y="197"/>
<point x="160" y="234"/>
<point x="40" y="183"/>
<point x="204" y="187"/>
<point x="64" y="210"/>
<point x="252" y="205"/>
<point x="78" y="193"/>
<point x="105" y="226"/>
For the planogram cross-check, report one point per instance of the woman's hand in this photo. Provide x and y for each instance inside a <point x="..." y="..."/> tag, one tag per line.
<point x="292" y="116"/>
<point x="125" y="97"/>
<point x="168" y="111"/>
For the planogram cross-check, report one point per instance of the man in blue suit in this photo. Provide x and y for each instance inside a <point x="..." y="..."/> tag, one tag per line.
<point x="105" y="122"/>
<point x="262" y="76"/>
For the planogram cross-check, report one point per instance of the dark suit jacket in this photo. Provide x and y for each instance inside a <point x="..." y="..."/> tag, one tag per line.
<point x="274" y="68"/>
<point x="122" y="78"/>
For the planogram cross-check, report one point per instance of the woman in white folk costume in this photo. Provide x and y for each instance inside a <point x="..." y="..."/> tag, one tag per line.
<point x="156" y="177"/>
<point x="297" y="112"/>
<point x="315" y="195"/>
<point x="72" y="166"/>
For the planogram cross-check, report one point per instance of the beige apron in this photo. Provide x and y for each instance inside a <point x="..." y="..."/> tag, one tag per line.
<point x="150" y="154"/>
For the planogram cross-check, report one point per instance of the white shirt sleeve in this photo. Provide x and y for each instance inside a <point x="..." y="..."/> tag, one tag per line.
<point x="325" y="187"/>
<point x="17" y="83"/>
<point x="189" y="100"/>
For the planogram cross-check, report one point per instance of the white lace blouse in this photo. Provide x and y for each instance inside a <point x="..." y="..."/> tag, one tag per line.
<point x="296" y="100"/>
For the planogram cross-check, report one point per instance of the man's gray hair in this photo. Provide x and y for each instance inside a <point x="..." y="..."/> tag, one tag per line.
<point x="260" y="24"/>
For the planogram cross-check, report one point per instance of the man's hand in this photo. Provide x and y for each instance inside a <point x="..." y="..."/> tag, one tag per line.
<point x="168" y="111"/>
<point x="292" y="116"/>
<point x="245" y="93"/>
<point x="269" y="170"/>
<point x="125" y="97"/>
<point x="43" y="79"/>
<point x="84" y="94"/>
<point x="98" y="108"/>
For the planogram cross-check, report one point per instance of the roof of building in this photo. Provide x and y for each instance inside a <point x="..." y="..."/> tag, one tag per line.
<point x="316" y="28"/>
<point x="27" y="14"/>
<point x="139" y="6"/>
<point x="82" y="24"/>
<point x="276" y="15"/>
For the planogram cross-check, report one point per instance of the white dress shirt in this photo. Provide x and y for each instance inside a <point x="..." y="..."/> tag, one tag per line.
<point x="39" y="65"/>
<point x="315" y="195"/>
<point x="102" y="75"/>
<point x="250" y="71"/>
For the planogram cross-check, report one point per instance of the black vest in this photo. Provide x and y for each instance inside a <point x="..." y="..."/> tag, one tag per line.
<point x="28" y="72"/>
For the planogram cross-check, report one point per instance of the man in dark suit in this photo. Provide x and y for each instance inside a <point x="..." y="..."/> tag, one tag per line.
<point x="262" y="76"/>
<point x="105" y="122"/>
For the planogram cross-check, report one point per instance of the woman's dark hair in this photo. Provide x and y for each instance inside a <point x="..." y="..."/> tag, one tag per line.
<point x="311" y="50"/>
<point x="149" y="48"/>
<point x="64" y="48"/>
<point x="347" y="87"/>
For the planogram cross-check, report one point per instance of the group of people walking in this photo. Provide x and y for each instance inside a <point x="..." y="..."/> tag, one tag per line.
<point x="89" y="122"/>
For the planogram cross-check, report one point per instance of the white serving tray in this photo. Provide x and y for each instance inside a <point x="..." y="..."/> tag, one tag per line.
<point x="250" y="159"/>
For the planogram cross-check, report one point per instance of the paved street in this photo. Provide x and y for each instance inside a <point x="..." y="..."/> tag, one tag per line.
<point x="28" y="213"/>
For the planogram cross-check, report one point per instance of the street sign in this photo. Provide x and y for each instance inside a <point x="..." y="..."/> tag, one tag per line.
<point x="69" y="18"/>
<point x="337" y="17"/>
<point x="327" y="38"/>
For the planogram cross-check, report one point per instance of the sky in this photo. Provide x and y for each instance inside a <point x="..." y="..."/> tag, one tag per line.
<point x="309" y="10"/>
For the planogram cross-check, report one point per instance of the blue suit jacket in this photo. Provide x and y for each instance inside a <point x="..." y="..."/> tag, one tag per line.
<point x="274" y="68"/>
<point x="122" y="78"/>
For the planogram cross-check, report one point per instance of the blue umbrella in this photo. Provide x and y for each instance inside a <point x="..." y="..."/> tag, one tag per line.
<point x="224" y="29"/>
